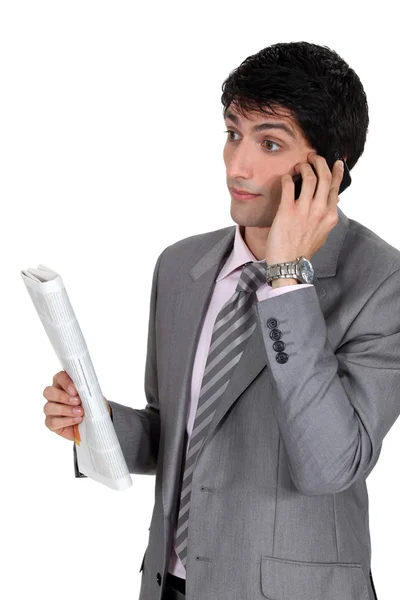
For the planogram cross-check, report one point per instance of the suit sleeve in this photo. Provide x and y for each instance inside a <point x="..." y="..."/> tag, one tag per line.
<point x="138" y="430"/>
<point x="334" y="408"/>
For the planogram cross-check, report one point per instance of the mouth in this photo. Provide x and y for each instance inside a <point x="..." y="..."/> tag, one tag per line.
<point x="242" y="195"/>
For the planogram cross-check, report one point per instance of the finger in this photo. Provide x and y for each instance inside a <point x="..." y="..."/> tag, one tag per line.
<point x="333" y="196"/>
<point x="54" y="423"/>
<point x="55" y="394"/>
<point x="54" y="409"/>
<point x="325" y="180"/>
<point x="287" y="192"/>
<point x="308" y="184"/>
<point x="63" y="381"/>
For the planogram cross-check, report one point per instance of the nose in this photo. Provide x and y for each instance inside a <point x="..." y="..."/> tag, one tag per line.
<point x="237" y="169"/>
<point x="239" y="162"/>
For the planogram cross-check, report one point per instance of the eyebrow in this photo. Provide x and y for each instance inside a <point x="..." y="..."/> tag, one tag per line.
<point x="263" y="126"/>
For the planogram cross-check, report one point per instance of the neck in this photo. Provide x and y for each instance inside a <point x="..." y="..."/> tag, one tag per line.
<point x="255" y="239"/>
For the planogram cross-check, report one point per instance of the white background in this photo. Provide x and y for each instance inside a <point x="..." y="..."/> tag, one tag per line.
<point x="111" y="137"/>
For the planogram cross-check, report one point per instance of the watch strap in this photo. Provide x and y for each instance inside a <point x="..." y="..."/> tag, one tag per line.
<point x="285" y="270"/>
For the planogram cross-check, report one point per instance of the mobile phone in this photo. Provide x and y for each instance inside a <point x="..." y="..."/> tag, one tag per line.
<point x="330" y="158"/>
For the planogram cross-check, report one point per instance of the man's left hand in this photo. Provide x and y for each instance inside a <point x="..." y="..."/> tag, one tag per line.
<point x="301" y="226"/>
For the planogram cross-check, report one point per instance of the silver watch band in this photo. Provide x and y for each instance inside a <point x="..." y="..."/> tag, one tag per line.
<point x="286" y="270"/>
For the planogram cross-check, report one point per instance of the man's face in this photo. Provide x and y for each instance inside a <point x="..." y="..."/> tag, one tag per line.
<point x="256" y="160"/>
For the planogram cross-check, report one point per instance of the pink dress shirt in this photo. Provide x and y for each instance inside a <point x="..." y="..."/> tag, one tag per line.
<point x="225" y="286"/>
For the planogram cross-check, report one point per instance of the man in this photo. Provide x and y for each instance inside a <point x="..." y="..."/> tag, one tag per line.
<point x="268" y="399"/>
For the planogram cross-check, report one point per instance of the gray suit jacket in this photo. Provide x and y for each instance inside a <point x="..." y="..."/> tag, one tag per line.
<point x="279" y="505"/>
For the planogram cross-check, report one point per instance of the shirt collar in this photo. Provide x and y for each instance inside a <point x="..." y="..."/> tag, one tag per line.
<point x="240" y="254"/>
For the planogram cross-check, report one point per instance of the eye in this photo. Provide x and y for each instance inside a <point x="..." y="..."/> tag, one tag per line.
<point x="268" y="141"/>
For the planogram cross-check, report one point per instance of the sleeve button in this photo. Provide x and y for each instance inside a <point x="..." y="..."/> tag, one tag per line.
<point x="282" y="357"/>
<point x="279" y="346"/>
<point x="275" y="334"/>
<point x="272" y="323"/>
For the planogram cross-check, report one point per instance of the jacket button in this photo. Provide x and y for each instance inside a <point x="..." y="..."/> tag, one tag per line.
<point x="282" y="357"/>
<point x="279" y="346"/>
<point x="158" y="578"/>
<point x="272" y="323"/>
<point x="275" y="334"/>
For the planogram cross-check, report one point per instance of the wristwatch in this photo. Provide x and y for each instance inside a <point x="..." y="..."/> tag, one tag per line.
<point x="300" y="269"/>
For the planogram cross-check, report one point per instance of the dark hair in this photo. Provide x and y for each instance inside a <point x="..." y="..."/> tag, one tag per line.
<point x="324" y="95"/>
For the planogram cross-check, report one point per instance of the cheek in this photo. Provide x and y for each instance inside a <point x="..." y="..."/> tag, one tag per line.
<point x="271" y="180"/>
<point x="280" y="168"/>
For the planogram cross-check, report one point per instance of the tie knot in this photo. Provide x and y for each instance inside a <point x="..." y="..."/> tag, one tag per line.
<point x="253" y="276"/>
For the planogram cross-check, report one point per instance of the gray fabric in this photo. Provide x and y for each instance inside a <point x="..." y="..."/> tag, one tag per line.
<point x="279" y="502"/>
<point x="233" y="326"/>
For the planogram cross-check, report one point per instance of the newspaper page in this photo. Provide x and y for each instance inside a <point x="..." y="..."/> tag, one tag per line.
<point x="98" y="450"/>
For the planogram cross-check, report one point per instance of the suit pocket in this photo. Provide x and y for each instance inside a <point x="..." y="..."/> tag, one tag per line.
<point x="283" y="579"/>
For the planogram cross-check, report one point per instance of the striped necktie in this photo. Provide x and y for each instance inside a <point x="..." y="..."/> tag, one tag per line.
<point x="233" y="326"/>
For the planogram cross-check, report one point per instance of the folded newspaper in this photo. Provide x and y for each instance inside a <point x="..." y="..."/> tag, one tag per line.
<point x="98" y="450"/>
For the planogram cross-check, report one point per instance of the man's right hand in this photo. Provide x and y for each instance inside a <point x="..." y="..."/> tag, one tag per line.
<point x="58" y="409"/>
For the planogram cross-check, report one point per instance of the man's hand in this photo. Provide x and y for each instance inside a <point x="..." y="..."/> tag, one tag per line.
<point x="62" y="400"/>
<point x="301" y="226"/>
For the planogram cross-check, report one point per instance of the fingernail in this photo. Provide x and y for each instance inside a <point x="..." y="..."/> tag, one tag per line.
<point x="74" y="400"/>
<point x="72" y="390"/>
<point x="341" y="165"/>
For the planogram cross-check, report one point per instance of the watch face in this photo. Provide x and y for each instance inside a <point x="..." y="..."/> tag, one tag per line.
<point x="306" y="270"/>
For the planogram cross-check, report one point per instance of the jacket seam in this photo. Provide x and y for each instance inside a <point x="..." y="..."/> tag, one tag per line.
<point x="353" y="362"/>
<point x="276" y="495"/>
<point x="335" y="523"/>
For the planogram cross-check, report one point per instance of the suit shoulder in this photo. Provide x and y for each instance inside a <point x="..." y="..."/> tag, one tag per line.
<point x="197" y="244"/>
<point x="365" y="245"/>
<point x="180" y="257"/>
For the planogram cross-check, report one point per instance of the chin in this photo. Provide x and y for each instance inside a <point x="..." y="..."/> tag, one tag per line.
<point x="248" y="218"/>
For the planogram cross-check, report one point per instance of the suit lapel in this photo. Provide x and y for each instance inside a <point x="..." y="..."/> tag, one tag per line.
<point x="187" y="308"/>
<point x="190" y="308"/>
